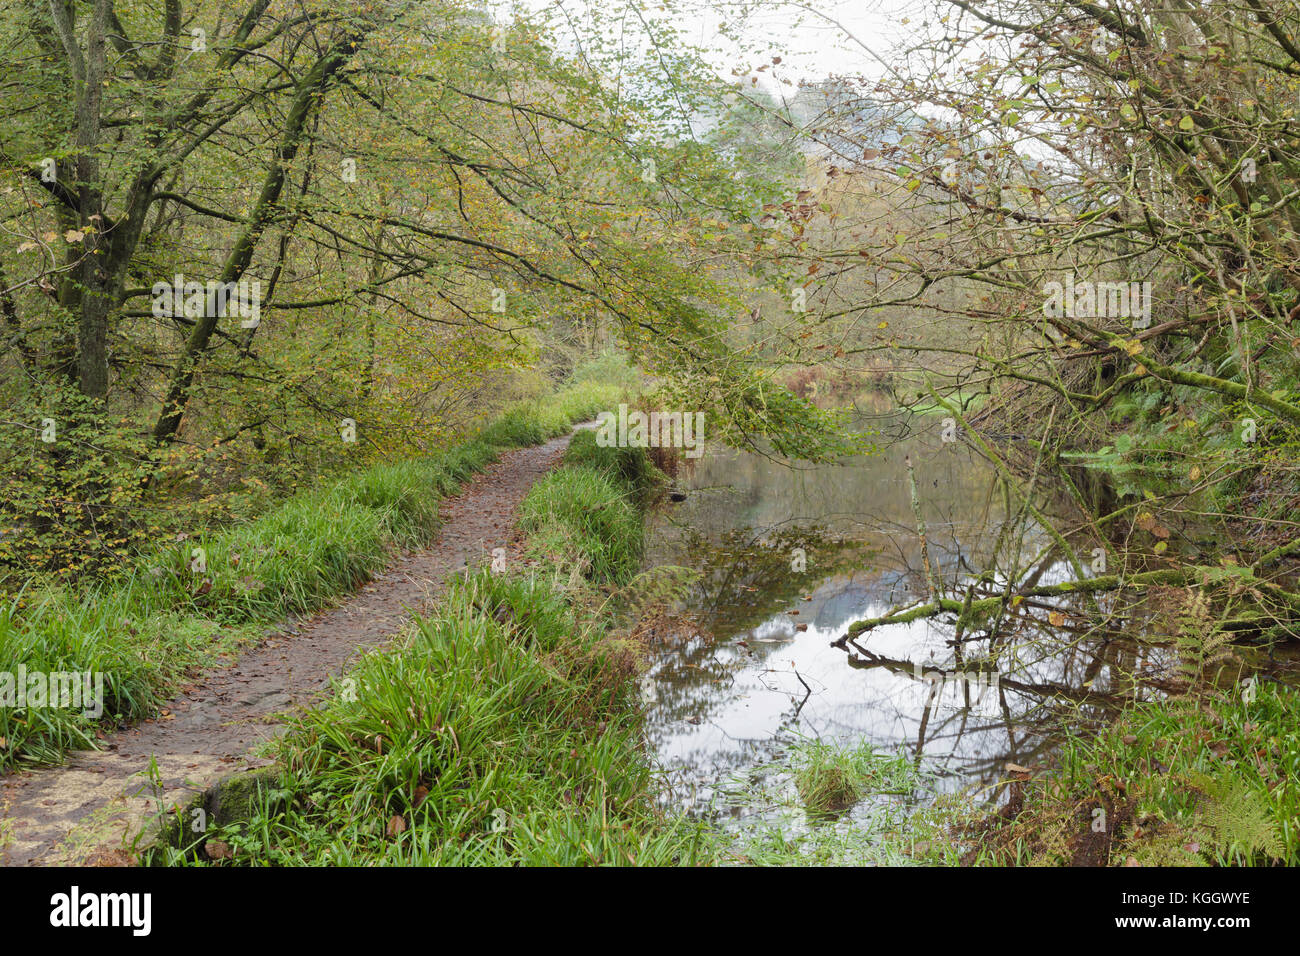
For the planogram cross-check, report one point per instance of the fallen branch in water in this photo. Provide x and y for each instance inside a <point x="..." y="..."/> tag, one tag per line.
<point x="969" y="611"/>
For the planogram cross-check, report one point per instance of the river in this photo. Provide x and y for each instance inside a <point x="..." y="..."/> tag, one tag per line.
<point x="788" y="557"/>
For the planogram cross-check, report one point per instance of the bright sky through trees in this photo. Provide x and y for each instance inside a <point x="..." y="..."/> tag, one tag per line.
<point x="810" y="45"/>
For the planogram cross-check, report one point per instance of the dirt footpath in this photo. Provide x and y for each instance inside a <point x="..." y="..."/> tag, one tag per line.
<point x="89" y="810"/>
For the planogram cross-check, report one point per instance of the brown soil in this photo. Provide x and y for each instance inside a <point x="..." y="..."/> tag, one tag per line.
<point x="1056" y="828"/>
<point x="92" y="808"/>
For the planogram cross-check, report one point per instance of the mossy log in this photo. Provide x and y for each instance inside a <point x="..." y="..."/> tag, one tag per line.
<point x="1284" y="605"/>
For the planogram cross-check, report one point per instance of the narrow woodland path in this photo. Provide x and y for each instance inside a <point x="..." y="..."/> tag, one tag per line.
<point x="87" y="810"/>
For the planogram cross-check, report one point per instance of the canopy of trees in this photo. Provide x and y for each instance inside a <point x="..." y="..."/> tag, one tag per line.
<point x="399" y="200"/>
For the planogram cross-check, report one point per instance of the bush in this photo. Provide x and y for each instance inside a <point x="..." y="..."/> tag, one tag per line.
<point x="73" y="478"/>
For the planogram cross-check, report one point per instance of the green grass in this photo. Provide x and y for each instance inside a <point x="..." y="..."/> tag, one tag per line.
<point x="531" y="423"/>
<point x="609" y="368"/>
<point x="139" y="651"/>
<point x="164" y="618"/>
<point x="583" y="402"/>
<point x="831" y="779"/>
<point x="1193" y="781"/>
<point x="504" y="731"/>
<point x="584" y="519"/>
<point x="632" y="466"/>
<point x="524" y="425"/>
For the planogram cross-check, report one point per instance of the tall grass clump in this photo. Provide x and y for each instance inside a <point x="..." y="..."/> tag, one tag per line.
<point x="609" y="368"/>
<point x="534" y="422"/>
<point x="50" y="634"/>
<point x="582" y="518"/>
<point x="630" y="465"/>
<point x="583" y="402"/>
<point x="832" y="779"/>
<point x="528" y="424"/>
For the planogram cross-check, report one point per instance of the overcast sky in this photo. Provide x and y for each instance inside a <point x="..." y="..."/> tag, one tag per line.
<point x="811" y="47"/>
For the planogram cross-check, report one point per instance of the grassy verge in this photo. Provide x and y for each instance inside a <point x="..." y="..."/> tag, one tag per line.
<point x="1193" y="781"/>
<point x="1189" y="781"/>
<point x="632" y="466"/>
<point x="197" y="598"/>
<point x="531" y="423"/>
<point x="504" y="731"/>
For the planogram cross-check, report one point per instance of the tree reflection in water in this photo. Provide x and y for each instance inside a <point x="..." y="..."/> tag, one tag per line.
<point x="770" y="660"/>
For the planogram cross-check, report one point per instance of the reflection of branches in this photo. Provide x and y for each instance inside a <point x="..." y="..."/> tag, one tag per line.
<point x="866" y="660"/>
<point x="750" y="574"/>
<point x="788" y="722"/>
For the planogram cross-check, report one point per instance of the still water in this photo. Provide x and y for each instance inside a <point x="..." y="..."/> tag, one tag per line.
<point x="788" y="557"/>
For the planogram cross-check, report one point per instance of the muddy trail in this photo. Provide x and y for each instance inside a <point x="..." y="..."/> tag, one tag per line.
<point x="89" y="810"/>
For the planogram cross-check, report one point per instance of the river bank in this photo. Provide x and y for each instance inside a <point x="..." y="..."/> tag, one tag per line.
<point x="942" y="732"/>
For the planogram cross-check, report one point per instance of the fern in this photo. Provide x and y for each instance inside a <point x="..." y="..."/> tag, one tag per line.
<point x="1240" y="820"/>
<point x="1201" y="644"/>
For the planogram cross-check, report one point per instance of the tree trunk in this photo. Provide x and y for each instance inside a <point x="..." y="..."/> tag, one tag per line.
<point x="305" y="101"/>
